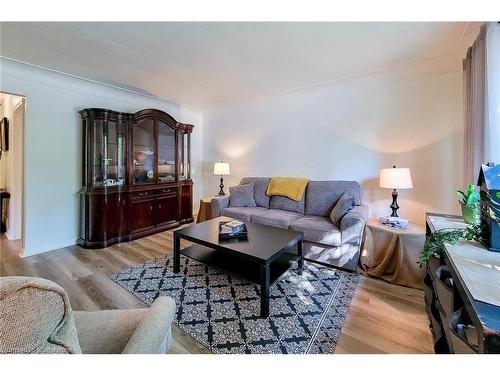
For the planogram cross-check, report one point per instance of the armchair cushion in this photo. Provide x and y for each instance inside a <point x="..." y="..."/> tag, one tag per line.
<point x="242" y="196"/>
<point x="131" y="331"/>
<point x="106" y="331"/>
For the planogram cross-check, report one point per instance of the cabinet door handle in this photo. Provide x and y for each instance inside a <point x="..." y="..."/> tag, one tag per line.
<point x="166" y="190"/>
<point x="150" y="208"/>
<point x="159" y="205"/>
<point x="143" y="193"/>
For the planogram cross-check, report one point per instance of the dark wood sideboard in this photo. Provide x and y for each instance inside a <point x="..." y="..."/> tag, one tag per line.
<point x="459" y="323"/>
<point x="136" y="175"/>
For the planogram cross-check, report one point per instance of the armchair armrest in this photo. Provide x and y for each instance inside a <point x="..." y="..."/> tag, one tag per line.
<point x="352" y="227"/>
<point x="218" y="203"/>
<point x="154" y="332"/>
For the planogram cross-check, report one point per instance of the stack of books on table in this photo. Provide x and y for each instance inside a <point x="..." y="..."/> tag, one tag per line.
<point x="232" y="229"/>
<point x="395" y="222"/>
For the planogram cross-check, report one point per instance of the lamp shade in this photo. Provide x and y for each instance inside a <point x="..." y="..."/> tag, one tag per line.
<point x="221" y="169"/>
<point x="395" y="178"/>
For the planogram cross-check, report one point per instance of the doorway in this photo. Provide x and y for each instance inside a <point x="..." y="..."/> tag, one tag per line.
<point x="12" y="112"/>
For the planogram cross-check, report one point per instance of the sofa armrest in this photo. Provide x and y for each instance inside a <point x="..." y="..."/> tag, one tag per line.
<point x="352" y="227"/>
<point x="218" y="203"/>
<point x="154" y="332"/>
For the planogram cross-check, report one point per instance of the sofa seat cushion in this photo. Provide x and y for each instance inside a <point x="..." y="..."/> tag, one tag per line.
<point x="276" y="218"/>
<point x="318" y="229"/>
<point x="242" y="213"/>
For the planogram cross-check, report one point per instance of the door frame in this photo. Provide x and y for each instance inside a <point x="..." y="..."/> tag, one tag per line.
<point x="20" y="130"/>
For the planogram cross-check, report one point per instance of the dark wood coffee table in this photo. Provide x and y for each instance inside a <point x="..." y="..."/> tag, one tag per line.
<point x="261" y="259"/>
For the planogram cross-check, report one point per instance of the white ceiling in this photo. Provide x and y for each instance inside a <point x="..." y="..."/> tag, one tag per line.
<point x="212" y="64"/>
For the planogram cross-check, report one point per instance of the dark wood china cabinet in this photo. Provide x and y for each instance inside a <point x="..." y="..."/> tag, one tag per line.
<point x="136" y="175"/>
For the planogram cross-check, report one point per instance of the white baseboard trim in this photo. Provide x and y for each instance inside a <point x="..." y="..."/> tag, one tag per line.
<point x="30" y="252"/>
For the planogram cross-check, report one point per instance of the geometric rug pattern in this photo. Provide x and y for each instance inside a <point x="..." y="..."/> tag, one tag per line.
<point x="221" y="310"/>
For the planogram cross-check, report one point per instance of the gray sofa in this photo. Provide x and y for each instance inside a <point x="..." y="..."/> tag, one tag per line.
<point x="324" y="242"/>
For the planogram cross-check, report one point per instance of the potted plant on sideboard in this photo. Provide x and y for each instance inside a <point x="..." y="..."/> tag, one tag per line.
<point x="469" y="202"/>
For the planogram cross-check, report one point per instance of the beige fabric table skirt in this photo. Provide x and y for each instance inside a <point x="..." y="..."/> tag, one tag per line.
<point x="391" y="254"/>
<point x="205" y="210"/>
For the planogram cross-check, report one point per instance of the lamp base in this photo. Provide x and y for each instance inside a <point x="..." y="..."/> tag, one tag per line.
<point x="221" y="192"/>
<point x="394" y="205"/>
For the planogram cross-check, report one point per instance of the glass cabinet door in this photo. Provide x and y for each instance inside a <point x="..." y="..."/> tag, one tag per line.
<point x="166" y="153"/>
<point x="97" y="153"/>
<point x="185" y="164"/>
<point x="143" y="152"/>
<point x="108" y="167"/>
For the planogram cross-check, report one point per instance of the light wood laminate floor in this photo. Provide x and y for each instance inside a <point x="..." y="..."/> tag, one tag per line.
<point x="382" y="318"/>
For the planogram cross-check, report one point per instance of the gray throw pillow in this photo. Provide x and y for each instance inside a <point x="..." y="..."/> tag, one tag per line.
<point x="343" y="206"/>
<point x="242" y="196"/>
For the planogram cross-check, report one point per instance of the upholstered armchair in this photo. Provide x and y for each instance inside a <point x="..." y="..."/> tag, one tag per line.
<point x="36" y="317"/>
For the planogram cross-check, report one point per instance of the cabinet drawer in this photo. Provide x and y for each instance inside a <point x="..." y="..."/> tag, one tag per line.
<point x="141" y="194"/>
<point x="154" y="193"/>
<point x="166" y="190"/>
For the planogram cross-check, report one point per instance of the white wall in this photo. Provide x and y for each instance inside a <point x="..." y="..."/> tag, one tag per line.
<point x="53" y="150"/>
<point x="349" y="129"/>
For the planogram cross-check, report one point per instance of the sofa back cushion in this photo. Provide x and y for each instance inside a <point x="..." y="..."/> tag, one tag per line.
<point x="35" y="317"/>
<point x="321" y="196"/>
<point x="278" y="202"/>
<point x="260" y="188"/>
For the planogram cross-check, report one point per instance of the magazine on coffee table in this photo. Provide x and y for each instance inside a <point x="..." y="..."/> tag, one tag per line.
<point x="232" y="229"/>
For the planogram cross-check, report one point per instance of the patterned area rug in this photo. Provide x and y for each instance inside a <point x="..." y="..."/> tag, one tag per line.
<point x="221" y="310"/>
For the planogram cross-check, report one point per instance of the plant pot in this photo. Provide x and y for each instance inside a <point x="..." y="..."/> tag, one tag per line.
<point x="471" y="214"/>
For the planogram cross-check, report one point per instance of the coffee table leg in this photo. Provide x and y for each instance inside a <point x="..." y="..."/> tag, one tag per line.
<point x="177" y="253"/>
<point x="301" y="256"/>
<point x="264" y="291"/>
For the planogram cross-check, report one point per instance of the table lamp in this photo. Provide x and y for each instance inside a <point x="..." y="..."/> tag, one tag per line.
<point x="221" y="169"/>
<point x="395" y="178"/>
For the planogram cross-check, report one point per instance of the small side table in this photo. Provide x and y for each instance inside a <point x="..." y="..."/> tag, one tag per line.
<point x="392" y="254"/>
<point x="205" y="210"/>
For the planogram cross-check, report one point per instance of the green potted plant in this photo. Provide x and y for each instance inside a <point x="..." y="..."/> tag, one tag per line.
<point x="469" y="201"/>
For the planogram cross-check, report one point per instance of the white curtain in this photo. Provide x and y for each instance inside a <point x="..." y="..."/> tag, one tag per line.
<point x="481" y="68"/>
<point x="492" y="145"/>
